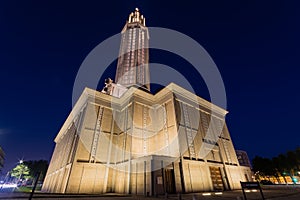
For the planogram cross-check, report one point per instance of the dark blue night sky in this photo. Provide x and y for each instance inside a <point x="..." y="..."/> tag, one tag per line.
<point x="255" y="45"/>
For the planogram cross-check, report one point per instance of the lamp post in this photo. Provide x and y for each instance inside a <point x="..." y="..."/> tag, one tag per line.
<point x="20" y="162"/>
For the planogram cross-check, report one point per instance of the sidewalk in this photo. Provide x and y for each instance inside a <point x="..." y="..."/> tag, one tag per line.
<point x="270" y="192"/>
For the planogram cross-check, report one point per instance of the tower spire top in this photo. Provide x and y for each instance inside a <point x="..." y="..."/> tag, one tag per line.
<point x="136" y="17"/>
<point x="133" y="66"/>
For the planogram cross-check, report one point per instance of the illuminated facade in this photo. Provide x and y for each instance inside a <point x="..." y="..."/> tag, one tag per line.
<point x="133" y="68"/>
<point x="135" y="142"/>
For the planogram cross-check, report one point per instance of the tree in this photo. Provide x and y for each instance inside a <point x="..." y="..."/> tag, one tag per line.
<point x="281" y="165"/>
<point x="20" y="171"/>
<point x="264" y="166"/>
<point x="292" y="164"/>
<point x="37" y="166"/>
<point x="30" y="169"/>
<point x="297" y="152"/>
<point x="1" y="158"/>
<point x="279" y="162"/>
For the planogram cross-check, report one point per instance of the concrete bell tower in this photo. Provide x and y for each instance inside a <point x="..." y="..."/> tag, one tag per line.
<point x="133" y="67"/>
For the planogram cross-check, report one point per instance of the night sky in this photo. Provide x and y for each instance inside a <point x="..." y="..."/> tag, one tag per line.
<point x="255" y="45"/>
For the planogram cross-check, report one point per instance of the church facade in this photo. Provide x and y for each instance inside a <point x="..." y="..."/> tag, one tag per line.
<point x="137" y="142"/>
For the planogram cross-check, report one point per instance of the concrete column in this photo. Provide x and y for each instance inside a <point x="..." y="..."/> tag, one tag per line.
<point x="105" y="185"/>
<point x="145" y="178"/>
<point x="181" y="176"/>
<point x="73" y="150"/>
<point x="129" y="163"/>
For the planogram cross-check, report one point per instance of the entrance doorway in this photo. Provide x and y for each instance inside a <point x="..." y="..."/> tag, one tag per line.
<point x="170" y="181"/>
<point x="216" y="178"/>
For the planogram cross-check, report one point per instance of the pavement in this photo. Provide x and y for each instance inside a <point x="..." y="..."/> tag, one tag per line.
<point x="270" y="192"/>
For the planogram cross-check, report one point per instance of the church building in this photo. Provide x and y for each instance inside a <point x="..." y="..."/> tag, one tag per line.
<point x="124" y="139"/>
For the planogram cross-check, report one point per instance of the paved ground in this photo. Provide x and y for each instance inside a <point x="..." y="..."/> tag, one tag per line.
<point x="270" y="192"/>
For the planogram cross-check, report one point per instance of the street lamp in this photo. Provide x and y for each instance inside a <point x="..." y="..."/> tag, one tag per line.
<point x="21" y="162"/>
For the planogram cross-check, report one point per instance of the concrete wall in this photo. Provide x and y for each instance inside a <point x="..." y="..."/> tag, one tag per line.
<point x="119" y="147"/>
<point x="196" y="176"/>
